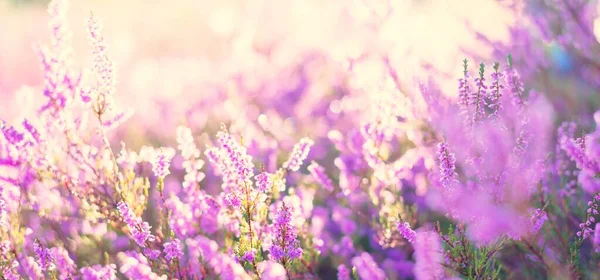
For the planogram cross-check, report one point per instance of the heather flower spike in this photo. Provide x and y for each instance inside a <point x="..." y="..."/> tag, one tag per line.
<point x="285" y="245"/>
<point x="299" y="154"/>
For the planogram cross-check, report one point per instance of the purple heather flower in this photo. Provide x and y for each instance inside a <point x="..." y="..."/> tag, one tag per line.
<point x="407" y="232"/>
<point x="151" y="254"/>
<point x="477" y="97"/>
<point x="496" y="89"/>
<point x="367" y="268"/>
<point x="44" y="258"/>
<point x="447" y="160"/>
<point x="285" y="245"/>
<point x="140" y="231"/>
<point x="299" y="153"/>
<point x="463" y="93"/>
<point x="173" y="250"/>
<point x="239" y="162"/>
<point x="538" y="218"/>
<point x="264" y="181"/>
<point x="343" y="273"/>
<point x="428" y="256"/>
<point x="248" y="256"/>
<point x="318" y="173"/>
<point x="514" y="86"/>
<point x="160" y="165"/>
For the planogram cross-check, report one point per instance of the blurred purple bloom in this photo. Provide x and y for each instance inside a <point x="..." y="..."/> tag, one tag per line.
<point x="173" y="250"/>
<point x="299" y="154"/>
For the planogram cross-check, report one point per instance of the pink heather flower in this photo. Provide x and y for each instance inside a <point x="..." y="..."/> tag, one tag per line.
<point x="44" y="258"/>
<point x="464" y="90"/>
<point x="59" y="83"/>
<point x="538" y="218"/>
<point x="299" y="153"/>
<point x="448" y="175"/>
<point x="318" y="173"/>
<point x="514" y="86"/>
<point x="140" y="231"/>
<point x="239" y="162"/>
<point x="285" y="245"/>
<point x="496" y="88"/>
<point x="264" y="181"/>
<point x="477" y="97"/>
<point x="160" y="165"/>
<point x="428" y="256"/>
<point x="151" y="254"/>
<point x="367" y="268"/>
<point x="103" y="66"/>
<point x="407" y="232"/>
<point x="173" y="250"/>
<point x="343" y="273"/>
<point x="235" y="165"/>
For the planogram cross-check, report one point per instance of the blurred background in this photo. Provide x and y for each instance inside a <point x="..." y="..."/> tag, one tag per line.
<point x="171" y="55"/>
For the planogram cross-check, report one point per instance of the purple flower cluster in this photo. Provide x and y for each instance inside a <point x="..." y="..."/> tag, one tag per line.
<point x="407" y="232"/>
<point x="44" y="258"/>
<point x="285" y="245"/>
<point x="173" y="250"/>
<point x="160" y="165"/>
<point x="140" y="230"/>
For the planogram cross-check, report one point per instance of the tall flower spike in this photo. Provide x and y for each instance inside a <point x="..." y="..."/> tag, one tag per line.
<point x="236" y="155"/>
<point x="103" y="67"/>
<point x="299" y="154"/>
<point x="477" y="98"/>
<point x="514" y="84"/>
<point x="161" y="164"/>
<point x="44" y="258"/>
<point x="495" y="94"/>
<point x="285" y="246"/>
<point x="464" y="89"/>
<point x="448" y="176"/>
